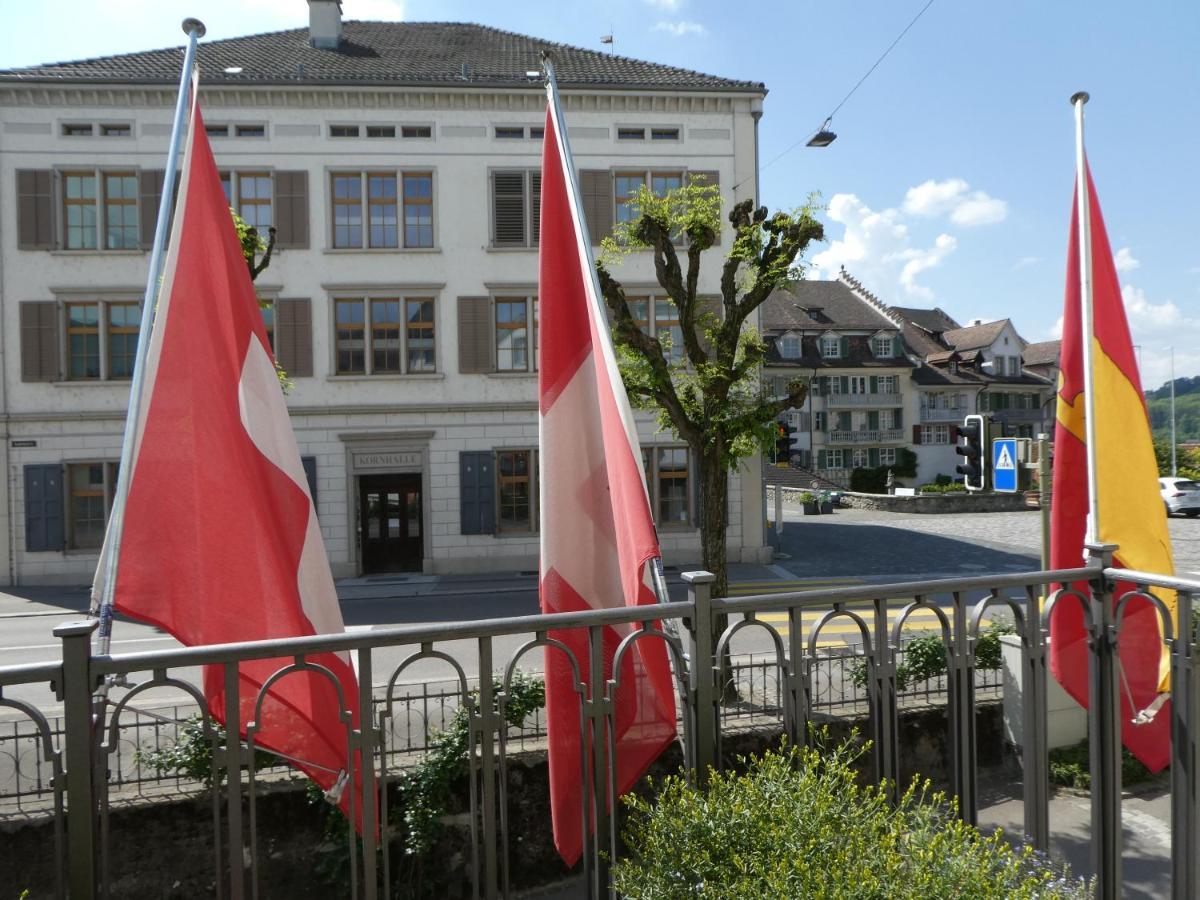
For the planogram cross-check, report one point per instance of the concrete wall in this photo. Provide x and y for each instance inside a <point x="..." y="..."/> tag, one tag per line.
<point x="937" y="503"/>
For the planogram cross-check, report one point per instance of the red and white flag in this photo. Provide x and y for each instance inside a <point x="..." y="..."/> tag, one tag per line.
<point x="220" y="539"/>
<point x="597" y="533"/>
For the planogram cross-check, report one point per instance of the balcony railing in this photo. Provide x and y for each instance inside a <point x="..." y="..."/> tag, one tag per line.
<point x="86" y="855"/>
<point x="839" y="401"/>
<point x="942" y="415"/>
<point x="867" y="436"/>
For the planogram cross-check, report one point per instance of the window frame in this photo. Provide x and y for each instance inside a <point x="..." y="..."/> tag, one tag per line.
<point x="836" y="343"/>
<point x="370" y="331"/>
<point x="404" y="136"/>
<point x="249" y="129"/>
<point x="107" y="490"/>
<point x="234" y="177"/>
<point x="651" y="324"/>
<point x="115" y="130"/>
<point x="103" y="330"/>
<point x="881" y="347"/>
<point x="833" y="453"/>
<point x="344" y="131"/>
<point x="790" y="340"/>
<point x="531" y="211"/>
<point x="887" y="456"/>
<point x="401" y="175"/>
<point x="530" y="299"/>
<point x="77" y="129"/>
<point x="531" y="479"/>
<point x="652" y="470"/>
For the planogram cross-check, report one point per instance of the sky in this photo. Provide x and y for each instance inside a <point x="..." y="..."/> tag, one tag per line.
<point x="950" y="181"/>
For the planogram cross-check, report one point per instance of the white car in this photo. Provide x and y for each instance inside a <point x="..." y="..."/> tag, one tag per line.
<point x="1180" y="496"/>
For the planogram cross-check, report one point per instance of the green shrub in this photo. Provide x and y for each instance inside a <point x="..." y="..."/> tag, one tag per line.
<point x="191" y="755"/>
<point x="1070" y="766"/>
<point x="939" y="488"/>
<point x="869" y="481"/>
<point x="943" y="479"/>
<point x="925" y="657"/>
<point x="808" y="497"/>
<point x="797" y="823"/>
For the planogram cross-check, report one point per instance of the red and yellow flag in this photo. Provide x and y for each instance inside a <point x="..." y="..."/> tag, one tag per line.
<point x="1130" y="513"/>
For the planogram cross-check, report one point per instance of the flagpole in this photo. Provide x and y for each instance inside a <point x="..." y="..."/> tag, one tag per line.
<point x="111" y="551"/>
<point x="657" y="578"/>
<point x="1083" y="207"/>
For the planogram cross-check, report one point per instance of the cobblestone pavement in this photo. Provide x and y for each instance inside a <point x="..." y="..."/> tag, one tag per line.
<point x="874" y="543"/>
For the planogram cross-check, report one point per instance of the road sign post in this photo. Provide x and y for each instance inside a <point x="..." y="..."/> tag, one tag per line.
<point x="1004" y="465"/>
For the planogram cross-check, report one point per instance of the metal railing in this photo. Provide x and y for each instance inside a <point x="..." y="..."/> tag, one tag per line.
<point x="929" y="414"/>
<point x="866" y="436"/>
<point x="879" y="398"/>
<point x="792" y="626"/>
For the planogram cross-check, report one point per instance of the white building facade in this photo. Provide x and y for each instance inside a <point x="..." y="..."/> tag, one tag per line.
<point x="404" y="191"/>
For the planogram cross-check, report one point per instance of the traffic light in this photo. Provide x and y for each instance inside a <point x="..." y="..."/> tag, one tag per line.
<point x="783" y="443"/>
<point x="971" y="435"/>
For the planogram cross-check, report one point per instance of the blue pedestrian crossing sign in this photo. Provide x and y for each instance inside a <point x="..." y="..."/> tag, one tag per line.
<point x="1004" y="465"/>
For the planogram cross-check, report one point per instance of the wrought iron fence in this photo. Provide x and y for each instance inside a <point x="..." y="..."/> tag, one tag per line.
<point x="80" y="757"/>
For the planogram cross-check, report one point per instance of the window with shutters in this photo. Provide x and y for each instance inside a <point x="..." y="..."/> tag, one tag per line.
<point x="101" y="339"/>
<point x="831" y="347"/>
<point x="516" y="207"/>
<point x="668" y="479"/>
<point x="626" y="184"/>
<point x="789" y="347"/>
<point x="935" y="434"/>
<point x="835" y="459"/>
<point x="90" y="487"/>
<point x="268" y="314"/>
<point x="882" y="347"/>
<point x="516" y="493"/>
<point x="887" y="456"/>
<point x="384" y="335"/>
<point x="658" y="316"/>
<point x="378" y="199"/>
<point x="250" y="193"/>
<point x="516" y="333"/>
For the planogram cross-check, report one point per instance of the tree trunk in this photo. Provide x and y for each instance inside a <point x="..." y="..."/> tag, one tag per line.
<point x="714" y="523"/>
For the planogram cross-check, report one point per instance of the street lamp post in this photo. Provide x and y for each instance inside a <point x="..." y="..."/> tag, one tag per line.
<point x="1174" y="470"/>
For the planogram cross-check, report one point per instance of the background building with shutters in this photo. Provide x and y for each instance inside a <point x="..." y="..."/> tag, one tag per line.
<point x="461" y="410"/>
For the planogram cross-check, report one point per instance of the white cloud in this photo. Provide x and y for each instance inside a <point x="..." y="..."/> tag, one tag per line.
<point x="668" y="5"/>
<point x="680" y="29"/>
<point x="1150" y="315"/>
<point x="876" y="248"/>
<point x="1026" y="261"/>
<point x="1124" y="260"/>
<point x="1056" y="331"/>
<point x="953" y="197"/>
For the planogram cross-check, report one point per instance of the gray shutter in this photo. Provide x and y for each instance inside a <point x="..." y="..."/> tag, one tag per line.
<point x="44" y="502"/>
<point x="872" y="456"/>
<point x="596" y="186"/>
<point x="310" y="474"/>
<point x="873" y="420"/>
<point x="508" y="209"/>
<point x="535" y="208"/>
<point x="35" y="209"/>
<point x="150" y="185"/>
<point x="710" y="178"/>
<point x="477" y="491"/>
<point x="293" y="336"/>
<point x="475" y="338"/>
<point x="898" y="418"/>
<point x="291" y="210"/>
<point x="39" y="341"/>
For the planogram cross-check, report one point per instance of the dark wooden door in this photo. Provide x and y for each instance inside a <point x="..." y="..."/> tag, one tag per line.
<point x="390" y="522"/>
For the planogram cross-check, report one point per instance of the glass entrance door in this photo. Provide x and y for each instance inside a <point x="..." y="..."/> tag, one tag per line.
<point x="390" y="522"/>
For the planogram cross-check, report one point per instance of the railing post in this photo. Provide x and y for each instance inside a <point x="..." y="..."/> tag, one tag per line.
<point x="884" y="715"/>
<point x="1035" y="753"/>
<point x="1104" y="730"/>
<point x="488" y="721"/>
<point x="702" y="674"/>
<point x="368" y="743"/>
<point x="76" y="692"/>
<point x="1185" y="786"/>
<point x="962" y="712"/>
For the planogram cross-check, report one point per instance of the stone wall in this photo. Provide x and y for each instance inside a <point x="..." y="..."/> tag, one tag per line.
<point x="937" y="503"/>
<point x="164" y="848"/>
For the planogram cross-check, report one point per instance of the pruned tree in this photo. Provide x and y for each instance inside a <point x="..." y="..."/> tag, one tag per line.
<point x="711" y="395"/>
<point x="253" y="244"/>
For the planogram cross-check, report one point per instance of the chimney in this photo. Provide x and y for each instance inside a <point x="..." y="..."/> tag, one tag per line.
<point x="325" y="23"/>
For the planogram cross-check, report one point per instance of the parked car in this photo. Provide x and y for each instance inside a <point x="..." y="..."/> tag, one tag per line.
<point x="1180" y="496"/>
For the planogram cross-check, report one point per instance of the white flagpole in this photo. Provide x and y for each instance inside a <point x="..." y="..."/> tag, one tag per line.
<point x="102" y="606"/>
<point x="1083" y="201"/>
<point x="564" y="149"/>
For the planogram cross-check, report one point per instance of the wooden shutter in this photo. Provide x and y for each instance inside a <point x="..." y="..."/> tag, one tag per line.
<point x="477" y="492"/>
<point x="475" y="338"/>
<point x="535" y="208"/>
<point x="150" y="185"/>
<point x="44" y="503"/>
<point x="35" y="209"/>
<point x="291" y="210"/>
<point x="821" y="459"/>
<point x="293" y="336"/>
<point x="897" y="346"/>
<point x="39" y="341"/>
<point x="873" y="420"/>
<point x="872" y="457"/>
<point x="596" y="186"/>
<point x="710" y="178"/>
<point x="508" y="209"/>
<point x="916" y="434"/>
<point x="310" y="474"/>
<point x="873" y="384"/>
<point x="844" y="380"/>
<point x="844" y="347"/>
<point x="898" y="418"/>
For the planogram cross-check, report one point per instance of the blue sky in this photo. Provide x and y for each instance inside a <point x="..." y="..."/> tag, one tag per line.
<point x="950" y="181"/>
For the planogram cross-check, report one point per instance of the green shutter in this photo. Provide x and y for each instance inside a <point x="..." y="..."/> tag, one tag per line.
<point x="873" y="420"/>
<point x="898" y="418"/>
<point x="844" y="347"/>
<point x="845" y="381"/>
<point x="820" y="459"/>
<point x="874" y="384"/>
<point x="897" y="347"/>
<point x="873" y="457"/>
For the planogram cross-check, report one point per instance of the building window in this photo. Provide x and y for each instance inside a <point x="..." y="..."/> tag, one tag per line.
<point x="515" y="350"/>
<point x="667" y="478"/>
<point x="887" y="419"/>
<point x="860" y="458"/>
<point x="101" y="339"/>
<point x="250" y="131"/>
<point x="664" y="134"/>
<point x="515" y="505"/>
<point x="626" y="185"/>
<point x="118" y="129"/>
<point x="831" y="347"/>
<point x="250" y="195"/>
<point x="818" y="421"/>
<point x="371" y="338"/>
<point x="887" y="456"/>
<point x="859" y="384"/>
<point x="631" y="134"/>
<point x="883" y="347"/>
<point x="216" y="130"/>
<point x="381" y="131"/>
<point x="516" y="208"/>
<point x="91" y="486"/>
<point x="381" y="192"/>
<point x="79" y="199"/>
<point x="834" y="459"/>
<point x="935" y="434"/>
<point x="886" y="384"/>
<point x="664" y="314"/>
<point x="120" y="211"/>
<point x="100" y="209"/>
<point x="268" y="314"/>
<point x="789" y="348"/>
<point x="537" y="133"/>
<point x="343" y="131"/>
<point x="510" y="132"/>
<point x="77" y="129"/>
<point x="416" y="131"/>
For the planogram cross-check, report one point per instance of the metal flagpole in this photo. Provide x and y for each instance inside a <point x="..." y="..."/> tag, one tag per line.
<point x="1083" y="202"/>
<point x="111" y="552"/>
<point x="564" y="149"/>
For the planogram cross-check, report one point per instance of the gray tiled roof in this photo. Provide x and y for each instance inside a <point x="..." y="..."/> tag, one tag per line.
<point x="974" y="336"/>
<point x="935" y="376"/>
<point x="392" y="53"/>
<point x="933" y="320"/>
<point x="840" y="308"/>
<point x="1042" y="354"/>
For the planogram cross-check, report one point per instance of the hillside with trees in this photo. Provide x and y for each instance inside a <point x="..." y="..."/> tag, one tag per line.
<point x="1187" y="410"/>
